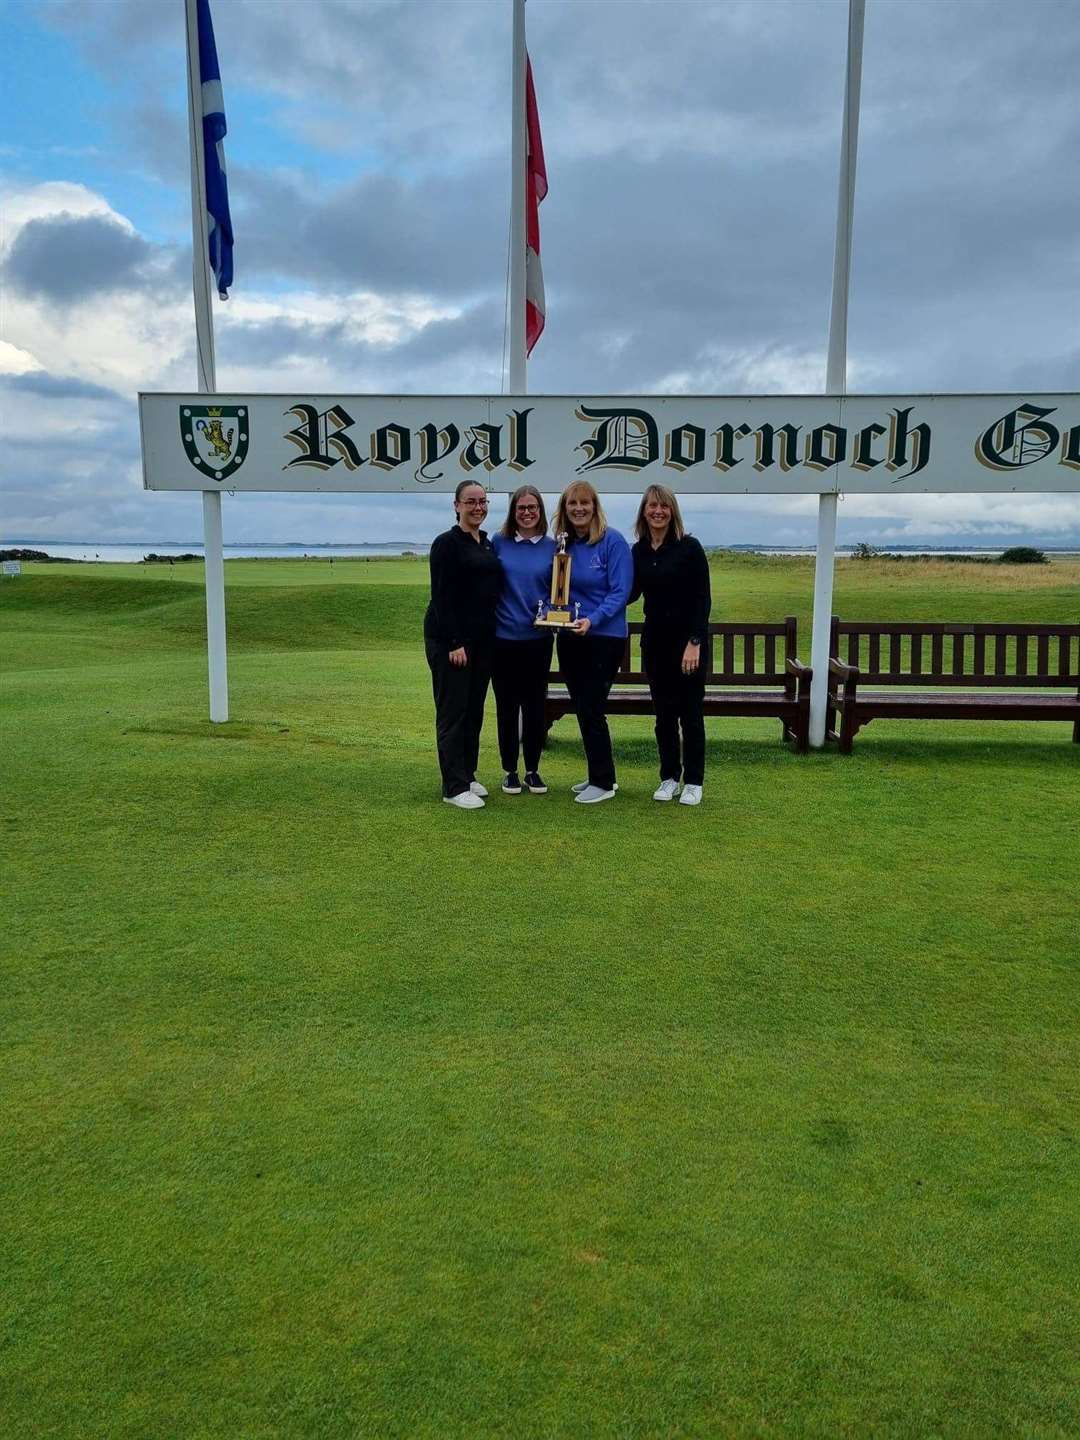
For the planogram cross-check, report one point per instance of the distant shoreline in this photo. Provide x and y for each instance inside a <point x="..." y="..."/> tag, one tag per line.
<point x="134" y="552"/>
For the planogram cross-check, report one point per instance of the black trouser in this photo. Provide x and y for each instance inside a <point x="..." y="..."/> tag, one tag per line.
<point x="678" y="703"/>
<point x="589" y="664"/>
<point x="519" y="677"/>
<point x="460" y="692"/>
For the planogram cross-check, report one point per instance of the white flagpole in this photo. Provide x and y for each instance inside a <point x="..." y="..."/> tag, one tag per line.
<point x="836" y="369"/>
<point x="518" y="164"/>
<point x="204" y="343"/>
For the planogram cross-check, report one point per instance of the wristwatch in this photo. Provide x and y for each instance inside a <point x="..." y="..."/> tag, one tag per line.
<point x="694" y="640"/>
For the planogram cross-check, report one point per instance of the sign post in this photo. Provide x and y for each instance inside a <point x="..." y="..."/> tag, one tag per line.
<point x="836" y="370"/>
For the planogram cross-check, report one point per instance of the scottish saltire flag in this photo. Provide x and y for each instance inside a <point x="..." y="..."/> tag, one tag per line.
<point x="218" y="222"/>
<point x="536" y="187"/>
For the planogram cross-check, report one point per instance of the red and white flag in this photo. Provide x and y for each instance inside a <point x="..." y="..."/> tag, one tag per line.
<point x="536" y="188"/>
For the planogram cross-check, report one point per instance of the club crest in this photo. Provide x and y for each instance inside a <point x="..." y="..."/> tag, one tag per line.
<point x="215" y="438"/>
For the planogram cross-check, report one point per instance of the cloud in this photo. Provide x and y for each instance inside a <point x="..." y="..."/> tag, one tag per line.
<point x="68" y="258"/>
<point x="687" y="236"/>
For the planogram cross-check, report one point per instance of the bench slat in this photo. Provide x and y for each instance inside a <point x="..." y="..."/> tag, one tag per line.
<point x="958" y="655"/>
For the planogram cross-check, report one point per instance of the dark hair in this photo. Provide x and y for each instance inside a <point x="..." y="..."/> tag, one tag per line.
<point x="510" y="525"/>
<point x="464" y="485"/>
<point x="676" y="529"/>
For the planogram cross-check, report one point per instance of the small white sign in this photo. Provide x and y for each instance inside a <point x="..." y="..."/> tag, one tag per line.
<point x="12" y="567"/>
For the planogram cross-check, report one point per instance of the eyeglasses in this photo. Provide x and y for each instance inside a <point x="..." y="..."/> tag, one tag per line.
<point x="474" y="504"/>
<point x="525" y="509"/>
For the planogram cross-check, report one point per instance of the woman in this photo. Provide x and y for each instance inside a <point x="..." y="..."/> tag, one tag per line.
<point x="591" y="647"/>
<point x="522" y="655"/>
<point x="459" y="634"/>
<point x="672" y="573"/>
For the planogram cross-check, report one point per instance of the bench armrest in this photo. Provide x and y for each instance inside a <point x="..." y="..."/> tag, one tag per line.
<point x="847" y="674"/>
<point x="796" y="667"/>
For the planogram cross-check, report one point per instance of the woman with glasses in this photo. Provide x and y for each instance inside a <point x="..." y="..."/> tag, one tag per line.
<point x="591" y="649"/>
<point x="459" y="635"/>
<point x="522" y="656"/>
<point x="672" y="573"/>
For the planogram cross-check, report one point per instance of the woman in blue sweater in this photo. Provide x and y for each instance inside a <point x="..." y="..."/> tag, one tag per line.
<point x="591" y="649"/>
<point x="522" y="656"/>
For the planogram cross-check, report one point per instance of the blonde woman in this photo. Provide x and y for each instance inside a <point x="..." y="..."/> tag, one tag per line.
<point x="590" y="649"/>
<point x="672" y="573"/>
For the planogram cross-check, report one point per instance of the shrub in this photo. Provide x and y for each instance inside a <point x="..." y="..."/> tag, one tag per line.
<point x="1023" y="555"/>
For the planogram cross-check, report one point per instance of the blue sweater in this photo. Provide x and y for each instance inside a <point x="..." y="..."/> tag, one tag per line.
<point x="601" y="577"/>
<point x="527" y="580"/>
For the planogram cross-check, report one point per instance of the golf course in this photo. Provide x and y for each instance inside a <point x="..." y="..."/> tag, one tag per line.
<point x="333" y="1111"/>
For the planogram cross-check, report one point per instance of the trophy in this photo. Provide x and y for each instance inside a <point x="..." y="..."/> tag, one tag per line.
<point x="556" y="611"/>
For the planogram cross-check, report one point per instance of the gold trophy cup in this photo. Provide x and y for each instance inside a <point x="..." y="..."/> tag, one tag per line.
<point x="556" y="611"/>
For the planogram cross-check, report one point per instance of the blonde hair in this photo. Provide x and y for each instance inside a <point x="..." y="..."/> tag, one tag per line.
<point x="597" y="525"/>
<point x="666" y="497"/>
<point x="510" y="525"/>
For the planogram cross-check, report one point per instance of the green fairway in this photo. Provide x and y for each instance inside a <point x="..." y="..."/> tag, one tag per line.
<point x="333" y="1111"/>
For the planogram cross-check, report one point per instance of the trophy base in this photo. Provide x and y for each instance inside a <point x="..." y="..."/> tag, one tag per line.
<point x="555" y="618"/>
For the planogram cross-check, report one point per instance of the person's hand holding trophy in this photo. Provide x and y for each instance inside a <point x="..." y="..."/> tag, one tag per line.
<point x="555" y="612"/>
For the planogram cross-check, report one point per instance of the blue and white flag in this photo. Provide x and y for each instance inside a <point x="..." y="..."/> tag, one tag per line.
<point x="218" y="222"/>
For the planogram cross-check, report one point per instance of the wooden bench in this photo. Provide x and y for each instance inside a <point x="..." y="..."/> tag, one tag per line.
<point x="979" y="672"/>
<point x="751" y="669"/>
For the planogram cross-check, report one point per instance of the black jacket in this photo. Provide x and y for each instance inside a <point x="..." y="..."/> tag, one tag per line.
<point x="674" y="581"/>
<point x="466" y="579"/>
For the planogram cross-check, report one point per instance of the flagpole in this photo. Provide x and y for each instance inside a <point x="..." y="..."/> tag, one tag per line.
<point x="207" y="368"/>
<point x="836" y="370"/>
<point x="518" y="162"/>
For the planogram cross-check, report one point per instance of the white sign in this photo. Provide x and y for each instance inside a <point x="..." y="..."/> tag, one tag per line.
<point x="12" y="567"/>
<point x="715" y="444"/>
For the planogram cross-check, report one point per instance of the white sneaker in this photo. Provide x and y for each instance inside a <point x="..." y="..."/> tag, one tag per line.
<point x="691" y="795"/>
<point x="592" y="795"/>
<point x="666" y="790"/>
<point x="478" y="789"/>
<point x="583" y="785"/>
<point x="465" y="801"/>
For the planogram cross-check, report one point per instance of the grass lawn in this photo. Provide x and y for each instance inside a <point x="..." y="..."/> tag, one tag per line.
<point x="332" y="1111"/>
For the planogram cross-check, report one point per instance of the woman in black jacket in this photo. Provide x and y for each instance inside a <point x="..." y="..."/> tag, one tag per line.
<point x="672" y="573"/>
<point x="459" y="637"/>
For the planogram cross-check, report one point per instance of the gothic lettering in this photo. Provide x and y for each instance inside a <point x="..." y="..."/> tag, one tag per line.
<point x="765" y="438"/>
<point x="899" y="435"/>
<point x="684" y="446"/>
<point x="826" y="446"/>
<point x="484" y="447"/>
<point x="1009" y="446"/>
<point x="391" y="445"/>
<point x="1070" y="448"/>
<point x="624" y="439"/>
<point x="863" y="459"/>
<point x="430" y="451"/>
<point x="519" y="439"/>
<point x="726" y="436"/>
<point x="318" y="434"/>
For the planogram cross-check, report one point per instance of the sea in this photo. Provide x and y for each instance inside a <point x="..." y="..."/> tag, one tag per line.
<point x="130" y="553"/>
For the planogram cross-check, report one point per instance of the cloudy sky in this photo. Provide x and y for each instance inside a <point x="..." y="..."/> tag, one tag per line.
<point x="692" y="152"/>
